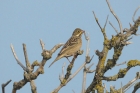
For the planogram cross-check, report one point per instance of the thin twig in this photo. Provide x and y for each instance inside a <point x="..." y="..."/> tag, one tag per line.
<point x="87" y="47"/>
<point x="114" y="27"/>
<point x="106" y="21"/>
<point x="102" y="29"/>
<point x="26" y="56"/>
<point x="4" y="85"/>
<point x="132" y="82"/>
<point x="56" y="47"/>
<point x="136" y="87"/>
<point x="111" y="10"/>
<point x="63" y="67"/>
<point x="97" y="20"/>
<point x="61" y="77"/>
<point x="87" y="69"/>
<point x="90" y="66"/>
<point x="91" y="71"/>
<point x="42" y="44"/>
<point x="76" y="72"/>
<point x="24" y="68"/>
<point x="133" y="18"/>
<point x="84" y="81"/>
<point x="86" y="37"/>
<point x="121" y="63"/>
<point x="84" y="73"/>
<point x="129" y="86"/>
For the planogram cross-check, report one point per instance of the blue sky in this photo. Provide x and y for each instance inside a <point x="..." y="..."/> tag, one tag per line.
<point x="27" y="21"/>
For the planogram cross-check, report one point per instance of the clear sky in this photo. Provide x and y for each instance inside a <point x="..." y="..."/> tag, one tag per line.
<point x="27" y="21"/>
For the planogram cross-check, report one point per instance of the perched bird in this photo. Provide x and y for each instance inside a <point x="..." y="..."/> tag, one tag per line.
<point x="71" y="46"/>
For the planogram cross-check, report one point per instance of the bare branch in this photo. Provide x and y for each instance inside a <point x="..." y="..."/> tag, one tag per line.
<point x="33" y="86"/>
<point x="87" y="60"/>
<point x="114" y="27"/>
<point x="87" y="46"/>
<point x="106" y="21"/>
<point x="24" y="68"/>
<point x="86" y="37"/>
<point x="133" y="18"/>
<point x="63" y="67"/>
<point x="76" y="72"/>
<point x="131" y="82"/>
<point x="91" y="71"/>
<point x="97" y="20"/>
<point x="42" y="44"/>
<point x="56" y="47"/>
<point x="4" y="85"/>
<point x="130" y="86"/>
<point x="84" y="82"/>
<point x="136" y="87"/>
<point x="26" y="56"/>
<point x="102" y="29"/>
<point x="61" y="77"/>
<point x="121" y="63"/>
<point x="111" y="10"/>
<point x="35" y="63"/>
<point x="90" y="66"/>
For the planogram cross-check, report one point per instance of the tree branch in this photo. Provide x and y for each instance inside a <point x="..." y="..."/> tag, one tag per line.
<point x="125" y="87"/>
<point x="42" y="44"/>
<point x="24" y="68"/>
<point x="133" y="18"/>
<point x="136" y="87"/>
<point x="114" y="27"/>
<point x="102" y="29"/>
<point x="29" y="76"/>
<point x="97" y="20"/>
<point x="33" y="87"/>
<point x="111" y="10"/>
<point x="106" y="21"/>
<point x="121" y="63"/>
<point x="26" y="56"/>
<point x="4" y="85"/>
<point x="123" y="72"/>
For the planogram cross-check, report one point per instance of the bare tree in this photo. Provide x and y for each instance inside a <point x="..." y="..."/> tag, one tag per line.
<point x="117" y="43"/>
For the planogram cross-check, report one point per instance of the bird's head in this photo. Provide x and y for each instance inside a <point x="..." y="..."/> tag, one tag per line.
<point x="78" y="32"/>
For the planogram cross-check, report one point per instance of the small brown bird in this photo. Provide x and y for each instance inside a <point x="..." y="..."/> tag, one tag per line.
<point x="71" y="46"/>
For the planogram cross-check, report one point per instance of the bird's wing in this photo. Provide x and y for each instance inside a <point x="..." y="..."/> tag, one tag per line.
<point x="70" y="43"/>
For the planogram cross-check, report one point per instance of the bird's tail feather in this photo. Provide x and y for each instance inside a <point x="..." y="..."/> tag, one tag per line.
<point x="55" y="60"/>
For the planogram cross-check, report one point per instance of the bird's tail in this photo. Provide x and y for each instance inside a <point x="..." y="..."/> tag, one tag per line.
<point x="55" y="60"/>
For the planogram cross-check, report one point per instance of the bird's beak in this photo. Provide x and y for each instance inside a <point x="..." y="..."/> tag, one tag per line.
<point x="82" y="31"/>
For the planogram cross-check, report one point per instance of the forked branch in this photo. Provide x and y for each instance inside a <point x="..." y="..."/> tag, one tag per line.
<point x="133" y="18"/>
<point x="111" y="10"/>
<point x="14" y="53"/>
<point x="102" y="29"/>
<point x="4" y="85"/>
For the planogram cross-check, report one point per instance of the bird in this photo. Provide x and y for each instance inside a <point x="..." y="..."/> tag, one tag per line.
<point x="71" y="46"/>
